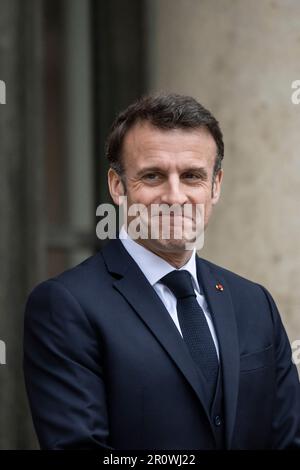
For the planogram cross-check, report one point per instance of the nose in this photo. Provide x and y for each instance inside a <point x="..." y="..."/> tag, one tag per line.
<point x="173" y="191"/>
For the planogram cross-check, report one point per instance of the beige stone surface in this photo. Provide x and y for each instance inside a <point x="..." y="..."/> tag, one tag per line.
<point x="239" y="59"/>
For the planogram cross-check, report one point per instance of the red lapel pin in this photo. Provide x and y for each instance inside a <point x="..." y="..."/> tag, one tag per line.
<point x="219" y="287"/>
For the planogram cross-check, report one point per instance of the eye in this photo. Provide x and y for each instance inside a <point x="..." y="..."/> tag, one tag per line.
<point x="192" y="176"/>
<point x="151" y="176"/>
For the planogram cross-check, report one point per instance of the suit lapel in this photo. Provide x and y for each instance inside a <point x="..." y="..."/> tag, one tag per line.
<point x="135" y="288"/>
<point x="223" y="316"/>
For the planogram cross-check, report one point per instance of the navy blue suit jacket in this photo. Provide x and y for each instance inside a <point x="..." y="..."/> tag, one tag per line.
<point x="106" y="367"/>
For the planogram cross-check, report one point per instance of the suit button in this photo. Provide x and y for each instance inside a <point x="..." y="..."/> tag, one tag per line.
<point x="218" y="420"/>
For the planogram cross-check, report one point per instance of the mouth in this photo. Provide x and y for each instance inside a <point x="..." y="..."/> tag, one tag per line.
<point x="183" y="216"/>
<point x="174" y="217"/>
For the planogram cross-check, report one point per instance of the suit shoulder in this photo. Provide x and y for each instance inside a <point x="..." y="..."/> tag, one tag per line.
<point x="232" y="278"/>
<point x="80" y="278"/>
<point x="244" y="292"/>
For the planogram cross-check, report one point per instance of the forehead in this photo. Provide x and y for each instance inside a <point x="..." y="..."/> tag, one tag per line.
<point x="146" y="144"/>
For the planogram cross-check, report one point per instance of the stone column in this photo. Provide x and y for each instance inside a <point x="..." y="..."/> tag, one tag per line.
<point x="21" y="202"/>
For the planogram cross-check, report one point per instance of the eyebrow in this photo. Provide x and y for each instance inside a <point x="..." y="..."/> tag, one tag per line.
<point x="202" y="171"/>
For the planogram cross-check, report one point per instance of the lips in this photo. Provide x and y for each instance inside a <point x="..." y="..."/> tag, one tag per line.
<point x="174" y="216"/>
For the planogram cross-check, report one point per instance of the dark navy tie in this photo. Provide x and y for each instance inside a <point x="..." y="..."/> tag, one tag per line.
<point x="194" y="327"/>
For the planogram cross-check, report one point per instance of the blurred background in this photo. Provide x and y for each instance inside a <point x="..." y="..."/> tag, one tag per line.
<point x="69" y="66"/>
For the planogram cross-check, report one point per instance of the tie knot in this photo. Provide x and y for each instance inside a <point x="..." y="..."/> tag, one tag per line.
<point x="180" y="283"/>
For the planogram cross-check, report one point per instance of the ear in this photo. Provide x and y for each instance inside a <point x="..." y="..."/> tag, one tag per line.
<point x="115" y="185"/>
<point x="216" y="190"/>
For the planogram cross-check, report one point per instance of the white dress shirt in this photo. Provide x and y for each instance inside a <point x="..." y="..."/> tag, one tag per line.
<point x="154" y="268"/>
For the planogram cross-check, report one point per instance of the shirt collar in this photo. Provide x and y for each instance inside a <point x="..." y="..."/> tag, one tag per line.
<point x="154" y="267"/>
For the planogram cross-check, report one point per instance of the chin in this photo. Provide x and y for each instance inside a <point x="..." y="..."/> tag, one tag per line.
<point x="170" y="245"/>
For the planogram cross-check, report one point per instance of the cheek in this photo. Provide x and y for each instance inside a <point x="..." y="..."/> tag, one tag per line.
<point x="144" y="195"/>
<point x="207" y="214"/>
<point x="204" y="198"/>
<point x="201" y="195"/>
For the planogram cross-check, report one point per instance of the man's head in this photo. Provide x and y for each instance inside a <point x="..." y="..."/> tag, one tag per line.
<point x="164" y="112"/>
<point x="166" y="149"/>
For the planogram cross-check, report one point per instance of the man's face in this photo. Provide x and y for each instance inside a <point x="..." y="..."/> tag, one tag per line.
<point x="168" y="167"/>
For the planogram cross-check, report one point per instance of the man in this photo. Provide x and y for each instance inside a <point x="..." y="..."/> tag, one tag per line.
<point x="145" y="345"/>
